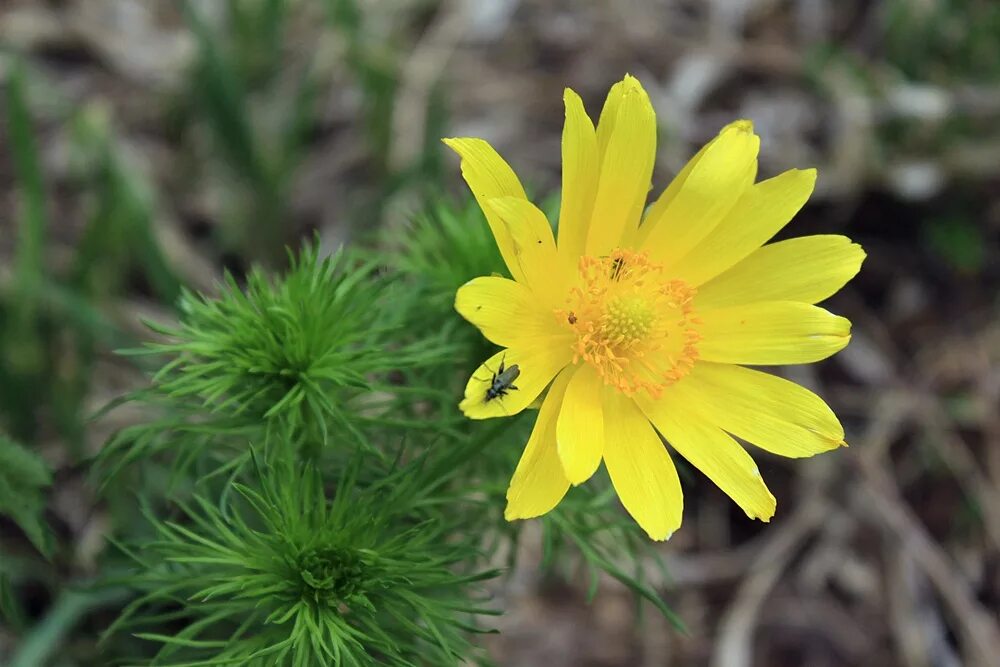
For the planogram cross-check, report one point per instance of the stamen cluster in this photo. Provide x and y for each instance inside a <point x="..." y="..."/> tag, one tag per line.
<point x="633" y="325"/>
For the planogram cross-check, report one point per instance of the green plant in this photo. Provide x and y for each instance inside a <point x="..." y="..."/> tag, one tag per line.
<point x="23" y="480"/>
<point x="52" y="324"/>
<point x="283" y="573"/>
<point x="294" y="484"/>
<point x="293" y="359"/>
<point x="328" y="502"/>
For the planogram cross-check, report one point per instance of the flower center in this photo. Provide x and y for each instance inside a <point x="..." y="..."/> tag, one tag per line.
<point x="627" y="318"/>
<point x="633" y="325"/>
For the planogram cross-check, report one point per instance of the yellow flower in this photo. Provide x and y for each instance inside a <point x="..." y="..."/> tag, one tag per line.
<point x="640" y="321"/>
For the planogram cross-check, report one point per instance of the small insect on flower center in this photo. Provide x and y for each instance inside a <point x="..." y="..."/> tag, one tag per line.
<point x="633" y="324"/>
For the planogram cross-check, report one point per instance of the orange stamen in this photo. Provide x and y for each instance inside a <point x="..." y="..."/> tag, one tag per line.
<point x="636" y="328"/>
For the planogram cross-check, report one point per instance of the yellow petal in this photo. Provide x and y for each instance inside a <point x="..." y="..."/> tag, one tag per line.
<point x="609" y="114"/>
<point x="657" y="208"/>
<point x="640" y="468"/>
<point x="776" y="415"/>
<point x="539" y="482"/>
<point x="541" y="267"/>
<point x="580" y="428"/>
<point x="713" y="452"/>
<point x="771" y="332"/>
<point x="537" y="365"/>
<point x="758" y="215"/>
<point x="505" y="312"/>
<point x="627" y="140"/>
<point x="807" y="269"/>
<point x="697" y="205"/>
<point x="488" y="176"/>
<point x="580" y="168"/>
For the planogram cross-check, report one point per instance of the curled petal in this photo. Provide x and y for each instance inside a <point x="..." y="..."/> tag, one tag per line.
<point x="536" y="366"/>
<point x="506" y="312"/>
<point x="489" y="177"/>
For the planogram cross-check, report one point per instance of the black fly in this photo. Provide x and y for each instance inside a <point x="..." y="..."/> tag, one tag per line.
<point x="616" y="267"/>
<point x="502" y="382"/>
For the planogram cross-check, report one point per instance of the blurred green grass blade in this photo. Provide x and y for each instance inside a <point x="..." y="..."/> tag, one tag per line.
<point x="294" y="135"/>
<point x="344" y="14"/>
<point x="23" y="476"/>
<point x="432" y="164"/>
<point x="257" y="27"/>
<point x="120" y="231"/>
<point x="220" y="82"/>
<point x="272" y="20"/>
<point x="46" y="639"/>
<point x="377" y="71"/>
<point x="220" y="88"/>
<point x="26" y="467"/>
<point x="10" y="609"/>
<point x="31" y="216"/>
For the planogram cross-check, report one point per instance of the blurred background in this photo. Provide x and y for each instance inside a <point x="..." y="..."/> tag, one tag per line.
<point x="146" y="147"/>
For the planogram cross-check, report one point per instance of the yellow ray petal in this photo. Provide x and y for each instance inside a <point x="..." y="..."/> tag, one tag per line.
<point x="807" y="269"/>
<point x="580" y="427"/>
<point x="640" y="468"/>
<point x="714" y="184"/>
<point x="771" y="333"/>
<point x="609" y="114"/>
<point x="656" y="209"/>
<point x="539" y="482"/>
<point x="489" y="176"/>
<point x="537" y="365"/>
<point x="506" y="312"/>
<point x="542" y="268"/>
<point x="776" y="415"/>
<point x="580" y="166"/>
<point x="711" y="451"/>
<point x="758" y="215"/>
<point x="627" y="139"/>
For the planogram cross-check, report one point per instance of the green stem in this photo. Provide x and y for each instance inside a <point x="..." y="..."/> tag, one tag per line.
<point x="45" y="639"/>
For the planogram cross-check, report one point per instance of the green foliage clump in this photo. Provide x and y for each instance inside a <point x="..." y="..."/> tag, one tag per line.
<point x="442" y="249"/>
<point x="281" y="575"/>
<point x="446" y="247"/>
<point x="297" y="358"/>
<point x="352" y="539"/>
<point x="280" y="350"/>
